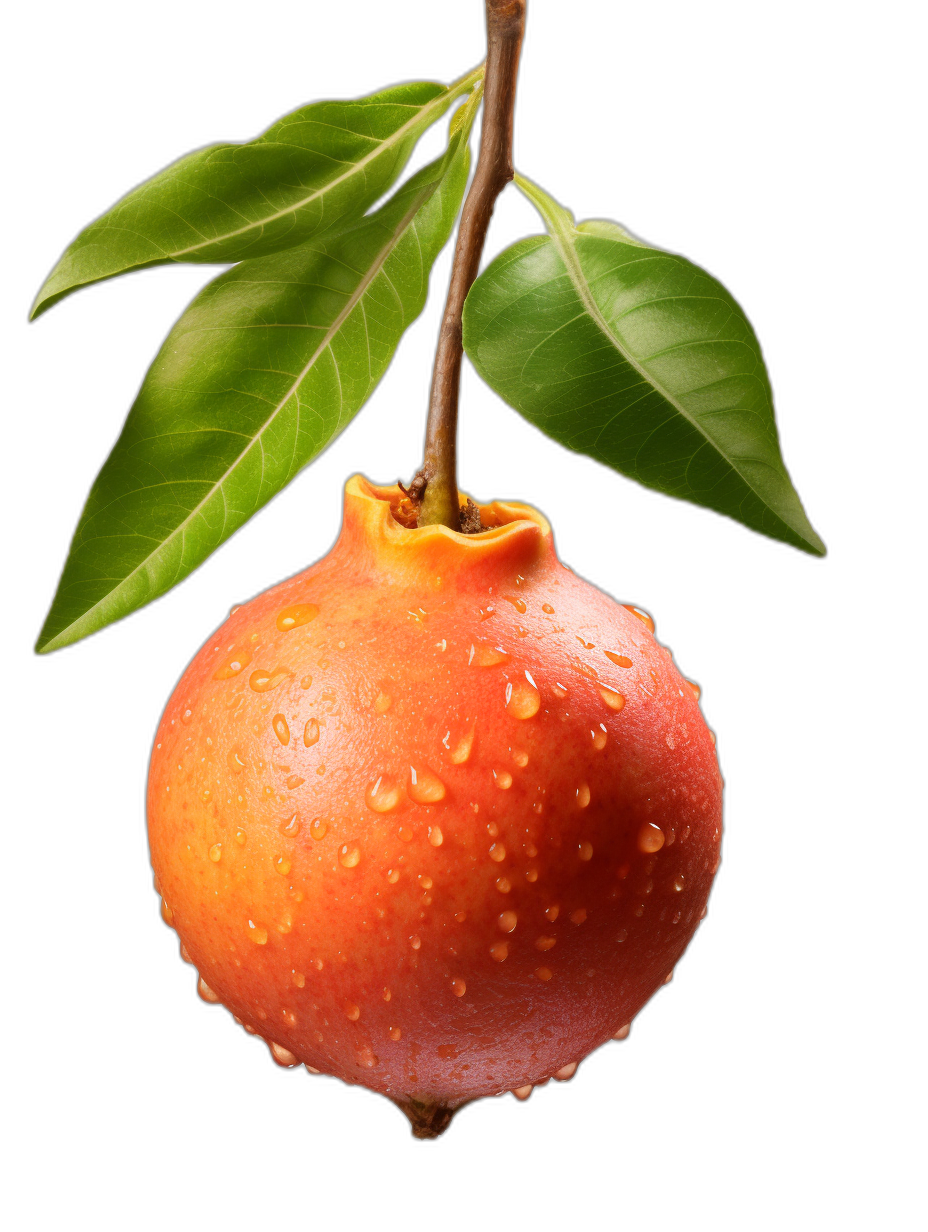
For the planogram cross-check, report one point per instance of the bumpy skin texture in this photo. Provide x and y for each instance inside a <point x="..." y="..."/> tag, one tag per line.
<point x="435" y="816"/>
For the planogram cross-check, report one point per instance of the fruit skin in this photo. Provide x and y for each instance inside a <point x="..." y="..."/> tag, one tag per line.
<point x="374" y="945"/>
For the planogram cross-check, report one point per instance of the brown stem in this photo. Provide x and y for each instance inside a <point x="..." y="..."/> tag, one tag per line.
<point x="505" y="27"/>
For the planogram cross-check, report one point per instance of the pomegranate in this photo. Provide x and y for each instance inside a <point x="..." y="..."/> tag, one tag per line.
<point x="435" y="816"/>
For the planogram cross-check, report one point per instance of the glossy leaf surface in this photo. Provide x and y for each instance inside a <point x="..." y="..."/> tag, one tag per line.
<point x="639" y="359"/>
<point x="319" y="167"/>
<point x="266" y="366"/>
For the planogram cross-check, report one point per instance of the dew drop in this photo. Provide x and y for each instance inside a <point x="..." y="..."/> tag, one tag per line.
<point x="294" y="781"/>
<point x="206" y="992"/>
<point x="520" y="759"/>
<point x="262" y="681"/>
<point x="566" y="1072"/>
<point x="367" y="1059"/>
<point x="299" y="614"/>
<point x="578" y="916"/>
<point x="499" y="952"/>
<point x="352" y="1012"/>
<point x="615" y="701"/>
<point x="240" y="837"/>
<point x="583" y="795"/>
<point x="349" y="857"/>
<point x="297" y="979"/>
<point x="383" y="702"/>
<point x="585" y="850"/>
<point x="436" y="838"/>
<point x="600" y="737"/>
<point x="236" y="760"/>
<point x="395" y="1033"/>
<point x="405" y="834"/>
<point x="650" y="837"/>
<point x="482" y="654"/>
<point x="622" y="935"/>
<point x="545" y="943"/>
<point x="497" y="853"/>
<point x="166" y="913"/>
<point x="697" y="691"/>
<point x="507" y="921"/>
<point x="306" y="682"/>
<point x="669" y="976"/>
<point x="679" y="882"/>
<point x="503" y="884"/>
<point x="233" y="665"/>
<point x="619" y="660"/>
<point x="531" y="874"/>
<point x="415" y="942"/>
<point x="503" y="779"/>
<point x="310" y="732"/>
<point x="215" y="852"/>
<point x="523" y="1092"/>
<point x="517" y="603"/>
<point x="387" y="994"/>
<point x="559" y="690"/>
<point x="291" y="827"/>
<point x="523" y="700"/>
<point x="282" y="865"/>
<point x="546" y="607"/>
<point x="552" y="913"/>
<point x="281" y="730"/>
<point x="318" y="828"/>
<point x="256" y="934"/>
<point x="492" y="829"/>
<point x="458" y="987"/>
<point x="393" y="875"/>
<point x="462" y="750"/>
<point x="425" y="787"/>
<point x="383" y="795"/>
<point x="642" y="616"/>
<point x="543" y="973"/>
<point x="622" y="1032"/>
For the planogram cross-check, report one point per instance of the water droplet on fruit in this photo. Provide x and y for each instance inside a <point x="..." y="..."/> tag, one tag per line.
<point x="559" y="690"/>
<point x="310" y="732"/>
<point x="650" y="837"/>
<point x="523" y="700"/>
<point x="622" y="1032"/>
<point x="619" y="660"/>
<point x="615" y="701"/>
<point x="240" y="837"/>
<point x="299" y="614"/>
<point x="281" y="730"/>
<point x="523" y="1092"/>
<point x="492" y="829"/>
<point x="215" y="852"/>
<point x="294" y="781"/>
<point x="282" y="865"/>
<point x="236" y="761"/>
<point x="425" y="787"/>
<point x="415" y="942"/>
<point x="545" y="943"/>
<point x="383" y="702"/>
<point x="291" y="827"/>
<point x="405" y="834"/>
<point x="546" y="607"/>
<point x="531" y="874"/>
<point x="353" y="1012"/>
<point x="679" y="881"/>
<point x="256" y="934"/>
<point x="517" y="603"/>
<point x="499" y="951"/>
<point x="262" y="681"/>
<point x="206" y="992"/>
<point x="318" y="828"/>
<point x="383" y="795"/>
<point x="642" y="616"/>
<point x="393" y="875"/>
<point x="458" y="987"/>
<point x="395" y="1033"/>
<point x="233" y="665"/>
<point x="482" y="654"/>
<point x="387" y="994"/>
<point x="669" y="976"/>
<point x="367" y="1059"/>
<point x="297" y="979"/>
<point x="543" y="973"/>
<point x="497" y="852"/>
<point x="349" y="857"/>
<point x="306" y="682"/>
<point x="166" y="913"/>
<point x="622" y="935"/>
<point x="697" y="691"/>
<point x="461" y="751"/>
<point x="436" y="838"/>
<point x="566" y="1072"/>
<point x="507" y="921"/>
<point x="585" y="850"/>
<point x="283" y="1056"/>
<point x="520" y="759"/>
<point x="552" y="913"/>
<point x="503" y="779"/>
<point x="583" y="795"/>
<point x="503" y="884"/>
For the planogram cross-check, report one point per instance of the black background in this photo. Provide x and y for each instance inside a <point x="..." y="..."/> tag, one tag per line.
<point x="705" y="145"/>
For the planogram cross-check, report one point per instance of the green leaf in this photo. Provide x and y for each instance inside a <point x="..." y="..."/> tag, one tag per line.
<point x="319" y="167"/>
<point x="639" y="359"/>
<point x="266" y="366"/>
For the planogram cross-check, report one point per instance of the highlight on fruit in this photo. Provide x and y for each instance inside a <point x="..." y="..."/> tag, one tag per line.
<point x="434" y="816"/>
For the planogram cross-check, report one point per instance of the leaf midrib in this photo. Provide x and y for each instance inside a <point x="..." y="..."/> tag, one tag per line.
<point x="455" y="90"/>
